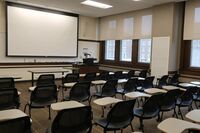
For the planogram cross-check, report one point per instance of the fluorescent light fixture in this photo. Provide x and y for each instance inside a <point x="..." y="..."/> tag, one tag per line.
<point x="96" y="4"/>
<point x="136" y="0"/>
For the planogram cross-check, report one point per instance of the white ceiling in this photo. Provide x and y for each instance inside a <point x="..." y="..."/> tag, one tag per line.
<point x="119" y="6"/>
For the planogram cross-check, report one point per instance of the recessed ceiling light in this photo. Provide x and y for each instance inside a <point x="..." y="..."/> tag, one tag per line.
<point x="96" y="4"/>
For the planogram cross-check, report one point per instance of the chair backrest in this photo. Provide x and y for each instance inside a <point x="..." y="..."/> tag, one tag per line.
<point x="76" y="120"/>
<point x="46" y="79"/>
<point x="152" y="105"/>
<point x="169" y="99"/>
<point x="7" y="83"/>
<point x="9" y="99"/>
<point x="163" y="81"/>
<point x="109" y="88"/>
<point x="118" y="75"/>
<point x="90" y="76"/>
<point x="187" y="96"/>
<point x="131" y="74"/>
<point x="131" y="85"/>
<point x="18" y="125"/>
<point x="148" y="82"/>
<point x="45" y="93"/>
<point x="174" y="79"/>
<point x="143" y="73"/>
<point x="104" y="75"/>
<point x="121" y="114"/>
<point x="80" y="91"/>
<point x="71" y="77"/>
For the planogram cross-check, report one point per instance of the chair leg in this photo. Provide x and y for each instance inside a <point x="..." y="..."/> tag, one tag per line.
<point x="161" y="118"/>
<point x="131" y="127"/>
<point x="121" y="130"/>
<point x="49" y="112"/>
<point x="25" y="107"/>
<point x="175" y="114"/>
<point x="102" y="112"/>
<point x="158" y="117"/>
<point x="138" y="103"/>
<point x="141" y="125"/>
<point x="179" y="110"/>
<point x="29" y="111"/>
<point x="195" y="102"/>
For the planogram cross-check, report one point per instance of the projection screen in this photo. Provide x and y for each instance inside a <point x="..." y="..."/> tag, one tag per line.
<point x="33" y="31"/>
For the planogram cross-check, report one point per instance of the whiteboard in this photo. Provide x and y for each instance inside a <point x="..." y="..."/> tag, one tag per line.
<point x="160" y="56"/>
<point x="36" y="32"/>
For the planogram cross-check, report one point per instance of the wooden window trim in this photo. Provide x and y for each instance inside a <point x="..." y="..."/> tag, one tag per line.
<point x="185" y="58"/>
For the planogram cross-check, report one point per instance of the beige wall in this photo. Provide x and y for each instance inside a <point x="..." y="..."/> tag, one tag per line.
<point x="2" y="16"/>
<point x="88" y="28"/>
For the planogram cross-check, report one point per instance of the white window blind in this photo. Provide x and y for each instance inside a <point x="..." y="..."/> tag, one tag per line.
<point x="110" y="50"/>
<point x="128" y="27"/>
<point x="126" y="50"/>
<point x="144" y="51"/>
<point x="195" y="54"/>
<point x="146" y="26"/>
<point x="192" y="20"/>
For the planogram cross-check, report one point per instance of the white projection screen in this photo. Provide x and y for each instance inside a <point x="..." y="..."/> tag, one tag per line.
<point x="38" y="32"/>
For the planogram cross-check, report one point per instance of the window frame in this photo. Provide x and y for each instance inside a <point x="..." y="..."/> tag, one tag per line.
<point x="138" y="59"/>
<point x="106" y="51"/>
<point x="120" y="53"/>
<point x="133" y="64"/>
<point x="185" y="58"/>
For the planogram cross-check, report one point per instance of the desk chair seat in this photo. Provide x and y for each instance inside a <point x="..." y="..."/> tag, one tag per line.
<point x="196" y="97"/>
<point x="143" y="73"/>
<point x="103" y="76"/>
<point x="108" y="89"/>
<point x="149" y="110"/>
<point x="9" y="99"/>
<point x="119" y="117"/>
<point x="168" y="102"/>
<point x="41" y="97"/>
<point x="7" y="83"/>
<point x="174" y="80"/>
<point x="75" y="120"/>
<point x="146" y="84"/>
<point x="80" y="92"/>
<point x="131" y="74"/>
<point x="162" y="81"/>
<point x="186" y="99"/>
<point x="89" y="76"/>
<point x="18" y="125"/>
<point x="130" y="86"/>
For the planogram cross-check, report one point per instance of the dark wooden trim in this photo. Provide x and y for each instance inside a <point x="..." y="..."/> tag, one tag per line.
<point x="32" y="64"/>
<point x="44" y="10"/>
<point x="172" y="72"/>
<point x="185" y="67"/>
<point x="190" y="76"/>
<point x="87" y="40"/>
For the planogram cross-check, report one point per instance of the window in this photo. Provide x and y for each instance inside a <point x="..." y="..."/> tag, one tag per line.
<point x="144" y="51"/>
<point x="110" y="50"/>
<point x="126" y="50"/>
<point x="195" y="54"/>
